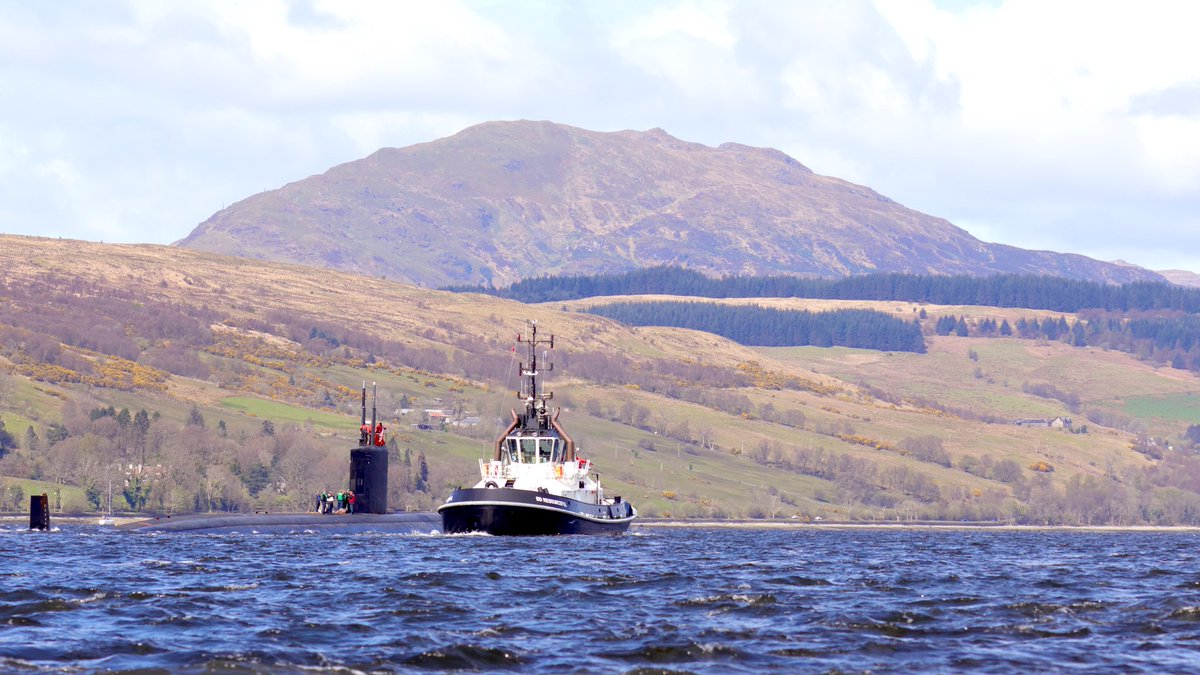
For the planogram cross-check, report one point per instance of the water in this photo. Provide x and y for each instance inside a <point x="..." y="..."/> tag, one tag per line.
<point x="658" y="600"/>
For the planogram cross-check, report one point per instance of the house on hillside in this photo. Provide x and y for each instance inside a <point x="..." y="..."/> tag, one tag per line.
<point x="437" y="418"/>
<point x="1052" y="423"/>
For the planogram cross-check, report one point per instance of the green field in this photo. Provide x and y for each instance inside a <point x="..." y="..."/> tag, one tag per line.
<point x="1169" y="408"/>
<point x="283" y="412"/>
<point x="71" y="499"/>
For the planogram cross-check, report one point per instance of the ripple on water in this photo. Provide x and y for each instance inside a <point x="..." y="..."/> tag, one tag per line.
<point x="1035" y="609"/>
<point x="1038" y="632"/>
<point x="959" y="601"/>
<point x="906" y="617"/>
<point x="683" y="652"/>
<point x="1189" y="613"/>
<point x="465" y="657"/>
<point x="749" y="605"/>
<point x="797" y="580"/>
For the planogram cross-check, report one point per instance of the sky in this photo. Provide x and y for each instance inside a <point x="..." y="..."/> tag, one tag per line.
<point x="1045" y="124"/>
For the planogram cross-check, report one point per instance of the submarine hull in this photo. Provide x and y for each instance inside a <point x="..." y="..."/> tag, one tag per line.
<point x="287" y="523"/>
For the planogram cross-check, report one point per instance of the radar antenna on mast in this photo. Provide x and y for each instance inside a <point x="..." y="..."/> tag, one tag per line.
<point x="536" y="414"/>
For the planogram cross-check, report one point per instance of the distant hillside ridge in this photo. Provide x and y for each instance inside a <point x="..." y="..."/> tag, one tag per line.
<point x="1181" y="277"/>
<point x="1004" y="290"/>
<point x="505" y="201"/>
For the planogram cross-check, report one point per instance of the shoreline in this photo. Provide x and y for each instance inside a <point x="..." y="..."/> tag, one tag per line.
<point x="664" y="523"/>
<point x="7" y="518"/>
<point x="891" y="525"/>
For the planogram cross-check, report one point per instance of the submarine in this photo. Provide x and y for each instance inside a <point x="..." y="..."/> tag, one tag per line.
<point x="368" y="481"/>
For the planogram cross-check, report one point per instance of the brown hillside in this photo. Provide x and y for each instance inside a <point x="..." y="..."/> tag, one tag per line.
<point x="503" y="201"/>
<point x="682" y="422"/>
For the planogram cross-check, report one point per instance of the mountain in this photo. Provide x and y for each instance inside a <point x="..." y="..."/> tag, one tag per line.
<point x="503" y="201"/>
<point x="1181" y="277"/>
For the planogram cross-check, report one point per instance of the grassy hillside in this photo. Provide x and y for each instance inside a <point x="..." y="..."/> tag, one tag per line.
<point x="680" y="422"/>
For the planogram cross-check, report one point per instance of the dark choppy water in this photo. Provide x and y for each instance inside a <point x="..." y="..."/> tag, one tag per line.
<point x="659" y="600"/>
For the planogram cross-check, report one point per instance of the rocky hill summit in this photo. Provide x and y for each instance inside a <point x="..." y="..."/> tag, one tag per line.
<point x="502" y="201"/>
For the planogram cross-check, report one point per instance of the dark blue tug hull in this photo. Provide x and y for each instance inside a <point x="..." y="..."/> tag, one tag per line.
<point x="508" y="511"/>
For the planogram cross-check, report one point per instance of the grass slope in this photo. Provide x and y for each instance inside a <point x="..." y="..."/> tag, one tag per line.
<point x="860" y="405"/>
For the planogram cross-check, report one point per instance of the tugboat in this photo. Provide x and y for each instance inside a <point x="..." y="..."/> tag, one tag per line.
<point x="535" y="483"/>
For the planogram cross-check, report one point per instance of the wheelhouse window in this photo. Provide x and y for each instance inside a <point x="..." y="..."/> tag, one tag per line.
<point x="529" y="450"/>
<point x="534" y="450"/>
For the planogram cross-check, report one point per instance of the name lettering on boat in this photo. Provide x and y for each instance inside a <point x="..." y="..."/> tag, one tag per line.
<point x="547" y="500"/>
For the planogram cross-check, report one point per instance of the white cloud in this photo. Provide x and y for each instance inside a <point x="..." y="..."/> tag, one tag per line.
<point x="1065" y="125"/>
<point x="690" y="48"/>
<point x="1171" y="152"/>
<point x="1049" y="80"/>
<point x="368" y="131"/>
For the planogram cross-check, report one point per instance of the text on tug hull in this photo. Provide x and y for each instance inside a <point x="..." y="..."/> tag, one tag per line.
<point x="534" y="483"/>
<point x="506" y="511"/>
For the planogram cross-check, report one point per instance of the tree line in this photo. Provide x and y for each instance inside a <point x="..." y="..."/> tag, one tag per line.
<point x="150" y="464"/>
<point x="769" y="327"/>
<point x="1026" y="291"/>
<point x="1153" y="321"/>
<point x="1172" y="339"/>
